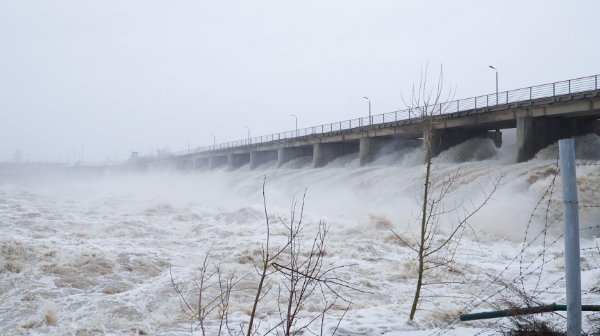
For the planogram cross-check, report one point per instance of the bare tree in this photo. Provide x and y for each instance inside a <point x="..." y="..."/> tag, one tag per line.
<point x="208" y="281"/>
<point x="304" y="277"/>
<point x="435" y="247"/>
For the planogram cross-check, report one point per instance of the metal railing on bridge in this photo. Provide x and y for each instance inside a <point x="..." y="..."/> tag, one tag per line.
<point x="502" y="98"/>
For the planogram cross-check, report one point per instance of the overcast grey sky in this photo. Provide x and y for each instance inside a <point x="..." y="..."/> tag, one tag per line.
<point x="141" y="75"/>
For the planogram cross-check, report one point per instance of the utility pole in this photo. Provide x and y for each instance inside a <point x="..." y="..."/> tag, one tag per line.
<point x="214" y="140"/>
<point x="571" y="218"/>
<point x="248" y="134"/>
<point x="370" y="119"/>
<point x="293" y="115"/>
<point x="496" y="84"/>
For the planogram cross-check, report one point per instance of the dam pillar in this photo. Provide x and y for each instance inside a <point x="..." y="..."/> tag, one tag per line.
<point x="286" y="154"/>
<point x="200" y="163"/>
<point x="323" y="153"/>
<point x="235" y="161"/>
<point x="374" y="147"/>
<point x="444" y="139"/>
<point x="258" y="158"/>
<point x="186" y="165"/>
<point x="217" y="161"/>
<point x="534" y="134"/>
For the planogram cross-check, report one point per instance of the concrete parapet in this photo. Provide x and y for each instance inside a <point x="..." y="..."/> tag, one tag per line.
<point x="217" y="161"/>
<point x="258" y="158"/>
<point x="286" y="154"/>
<point x="235" y="161"/>
<point x="323" y="153"/>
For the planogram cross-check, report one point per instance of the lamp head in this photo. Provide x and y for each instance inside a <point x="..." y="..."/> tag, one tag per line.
<point x="366" y="98"/>
<point x="493" y="68"/>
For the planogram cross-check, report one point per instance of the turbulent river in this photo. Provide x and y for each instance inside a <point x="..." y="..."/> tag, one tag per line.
<point x="95" y="256"/>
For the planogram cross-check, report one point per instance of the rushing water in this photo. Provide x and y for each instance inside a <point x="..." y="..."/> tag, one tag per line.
<point x="91" y="257"/>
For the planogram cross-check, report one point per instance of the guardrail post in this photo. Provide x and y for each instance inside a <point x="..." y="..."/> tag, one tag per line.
<point x="457" y="106"/>
<point x="569" y="86"/>
<point x="568" y="174"/>
<point x="475" y="102"/>
<point x="530" y="89"/>
<point x="596" y="77"/>
<point x="507" y="97"/>
<point x="553" y="89"/>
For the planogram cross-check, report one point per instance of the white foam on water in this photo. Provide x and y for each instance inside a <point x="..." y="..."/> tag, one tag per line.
<point x="93" y="257"/>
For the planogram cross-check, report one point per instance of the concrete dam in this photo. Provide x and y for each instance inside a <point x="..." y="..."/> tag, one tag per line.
<point x="541" y="114"/>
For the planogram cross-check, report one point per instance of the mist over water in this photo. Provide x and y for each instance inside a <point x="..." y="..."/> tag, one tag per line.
<point x="92" y="256"/>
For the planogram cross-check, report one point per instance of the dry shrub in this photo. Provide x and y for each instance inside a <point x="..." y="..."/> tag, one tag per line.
<point x="546" y="324"/>
<point x="531" y="325"/>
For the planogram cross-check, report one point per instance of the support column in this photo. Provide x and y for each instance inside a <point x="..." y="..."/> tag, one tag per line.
<point x="235" y="161"/>
<point x="259" y="158"/>
<point x="186" y="165"/>
<point x="534" y="134"/>
<point x="216" y="161"/>
<point x="373" y="148"/>
<point x="200" y="163"/>
<point x="323" y="153"/>
<point x="444" y="139"/>
<point x="286" y="154"/>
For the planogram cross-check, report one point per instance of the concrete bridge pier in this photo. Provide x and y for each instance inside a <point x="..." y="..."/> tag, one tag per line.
<point x="286" y="154"/>
<point x="217" y="161"/>
<point x="444" y="139"/>
<point x="153" y="167"/>
<point x="174" y="165"/>
<point x="186" y="165"/>
<point x="537" y="133"/>
<point x="323" y="153"/>
<point x="235" y="161"/>
<point x="371" y="148"/>
<point x="200" y="163"/>
<point x="258" y="158"/>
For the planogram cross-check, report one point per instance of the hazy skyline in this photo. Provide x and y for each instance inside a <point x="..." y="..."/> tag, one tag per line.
<point x="141" y="75"/>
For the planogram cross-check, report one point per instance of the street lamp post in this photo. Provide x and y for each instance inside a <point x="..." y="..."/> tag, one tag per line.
<point x="293" y="115"/>
<point x="188" y="141"/>
<point x="370" y="119"/>
<point x="214" y="140"/>
<point x="248" y="134"/>
<point x="496" y="84"/>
